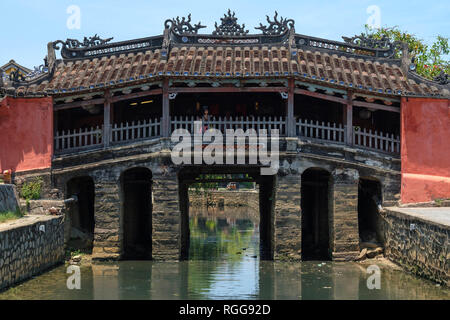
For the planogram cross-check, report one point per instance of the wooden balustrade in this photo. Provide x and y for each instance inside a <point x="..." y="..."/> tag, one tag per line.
<point x="139" y="130"/>
<point x="375" y="140"/>
<point x="78" y="139"/>
<point x="223" y="123"/>
<point x="321" y="130"/>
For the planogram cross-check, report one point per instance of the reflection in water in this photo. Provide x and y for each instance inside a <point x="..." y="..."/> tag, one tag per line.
<point x="220" y="268"/>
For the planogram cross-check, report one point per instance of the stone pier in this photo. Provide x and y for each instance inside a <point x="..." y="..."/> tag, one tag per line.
<point x="343" y="210"/>
<point x="288" y="218"/>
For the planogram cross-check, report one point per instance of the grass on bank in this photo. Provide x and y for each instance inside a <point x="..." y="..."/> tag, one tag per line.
<point x="10" y="215"/>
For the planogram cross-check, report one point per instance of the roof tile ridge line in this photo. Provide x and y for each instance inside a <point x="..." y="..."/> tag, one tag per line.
<point x="56" y="82"/>
<point x="140" y="69"/>
<point x="358" y="67"/>
<point x="91" y="81"/>
<point x="202" y="64"/>
<point x="233" y="69"/>
<point x="317" y="63"/>
<point x="124" y="71"/>
<point x="192" y="60"/>
<point x="148" y="63"/>
<point x="129" y="74"/>
<point x="97" y="75"/>
<point x="78" y="79"/>
<point x="378" y="75"/>
<point x="66" y="77"/>
<point x="108" y="75"/>
<point x="367" y="80"/>
<point x="385" y="67"/>
<point x="185" y="51"/>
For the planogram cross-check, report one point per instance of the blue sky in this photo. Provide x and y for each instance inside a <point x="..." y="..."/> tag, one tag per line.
<point x="27" y="25"/>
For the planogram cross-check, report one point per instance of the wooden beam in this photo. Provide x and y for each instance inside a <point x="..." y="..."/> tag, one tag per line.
<point x="165" y="109"/>
<point x="78" y="104"/>
<point x="107" y="119"/>
<point x="290" y="125"/>
<point x="226" y="89"/>
<point x="375" y="106"/>
<point x="320" y="96"/>
<point x="349" y="118"/>
<point x="137" y="95"/>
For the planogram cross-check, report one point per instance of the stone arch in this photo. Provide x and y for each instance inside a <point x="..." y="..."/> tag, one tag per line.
<point x="136" y="213"/>
<point x="369" y="202"/>
<point x="80" y="223"/>
<point x="316" y="184"/>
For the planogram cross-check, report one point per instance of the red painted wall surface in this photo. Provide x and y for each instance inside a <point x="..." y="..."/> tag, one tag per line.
<point x="425" y="126"/>
<point x="26" y="133"/>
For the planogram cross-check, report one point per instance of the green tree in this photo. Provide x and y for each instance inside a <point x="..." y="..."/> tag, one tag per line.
<point x="429" y="60"/>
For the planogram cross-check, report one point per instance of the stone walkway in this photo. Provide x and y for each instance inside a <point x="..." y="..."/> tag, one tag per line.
<point x="440" y="215"/>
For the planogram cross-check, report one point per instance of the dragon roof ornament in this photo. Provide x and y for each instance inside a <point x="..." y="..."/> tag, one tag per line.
<point x="229" y="26"/>
<point x="442" y="78"/>
<point x="276" y="27"/>
<point x="371" y="42"/>
<point x="183" y="26"/>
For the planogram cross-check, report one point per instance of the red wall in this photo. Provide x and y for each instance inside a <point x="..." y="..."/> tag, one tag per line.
<point x="425" y="126"/>
<point x="26" y="133"/>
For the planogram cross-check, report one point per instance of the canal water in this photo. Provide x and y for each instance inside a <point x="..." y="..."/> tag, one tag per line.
<point x="224" y="263"/>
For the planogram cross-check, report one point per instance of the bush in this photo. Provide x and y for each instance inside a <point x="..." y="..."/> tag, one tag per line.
<point x="32" y="190"/>
<point x="10" y="215"/>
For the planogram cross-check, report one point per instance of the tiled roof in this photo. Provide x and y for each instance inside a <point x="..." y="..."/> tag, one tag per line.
<point x="226" y="62"/>
<point x="361" y="63"/>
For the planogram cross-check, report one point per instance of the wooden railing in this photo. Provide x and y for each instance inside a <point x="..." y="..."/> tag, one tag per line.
<point x="78" y="139"/>
<point x="365" y="138"/>
<point x="321" y="130"/>
<point x="223" y="123"/>
<point x="135" y="130"/>
<point x="375" y="140"/>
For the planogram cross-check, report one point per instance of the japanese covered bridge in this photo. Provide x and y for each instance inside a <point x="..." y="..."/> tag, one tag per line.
<point x="358" y="131"/>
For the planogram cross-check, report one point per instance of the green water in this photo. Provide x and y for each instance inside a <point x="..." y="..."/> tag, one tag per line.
<point x="224" y="264"/>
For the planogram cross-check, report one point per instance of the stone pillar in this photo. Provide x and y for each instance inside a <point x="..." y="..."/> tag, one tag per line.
<point x="107" y="220"/>
<point x="343" y="202"/>
<point x="166" y="224"/>
<point x="288" y="218"/>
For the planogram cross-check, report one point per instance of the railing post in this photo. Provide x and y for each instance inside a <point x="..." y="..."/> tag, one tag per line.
<point x="348" y="119"/>
<point x="165" y="109"/>
<point x="107" y="119"/>
<point x="290" y="125"/>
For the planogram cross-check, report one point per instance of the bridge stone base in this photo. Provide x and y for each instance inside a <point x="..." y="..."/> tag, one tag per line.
<point x="280" y="197"/>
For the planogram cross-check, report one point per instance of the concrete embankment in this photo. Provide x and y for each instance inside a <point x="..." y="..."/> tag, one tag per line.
<point x="418" y="240"/>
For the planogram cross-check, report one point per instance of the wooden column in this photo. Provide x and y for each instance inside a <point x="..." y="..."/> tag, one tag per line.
<point x="107" y="119"/>
<point x="165" y="109"/>
<point x="348" y="119"/>
<point x="290" y="124"/>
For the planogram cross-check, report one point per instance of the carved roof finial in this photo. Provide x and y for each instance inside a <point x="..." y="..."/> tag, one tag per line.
<point x="229" y="26"/>
<point x="276" y="27"/>
<point x="182" y="26"/>
<point x="442" y="78"/>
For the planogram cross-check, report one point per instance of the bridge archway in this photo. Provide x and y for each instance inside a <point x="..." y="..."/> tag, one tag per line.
<point x="369" y="197"/>
<point x="266" y="184"/>
<point x="81" y="213"/>
<point x="315" y="194"/>
<point x="136" y="215"/>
